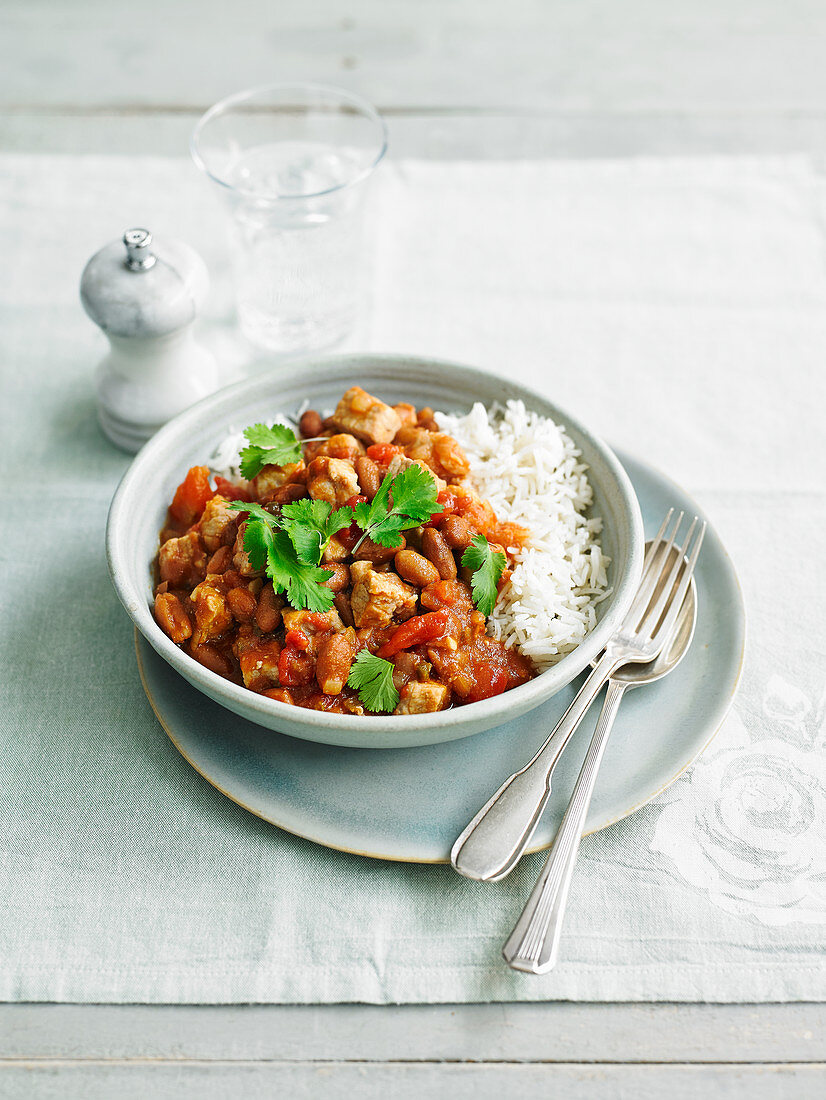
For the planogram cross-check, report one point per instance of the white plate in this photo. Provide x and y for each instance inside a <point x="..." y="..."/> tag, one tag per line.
<point x="411" y="804"/>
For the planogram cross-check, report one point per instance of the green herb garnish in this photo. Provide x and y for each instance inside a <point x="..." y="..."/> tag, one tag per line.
<point x="488" y="567"/>
<point x="271" y="549"/>
<point x="414" y="502"/>
<point x="301" y="581"/>
<point x="289" y="546"/>
<point x="275" y="446"/>
<point x="311" y="524"/>
<point x="372" y="678"/>
<point x="255" y="512"/>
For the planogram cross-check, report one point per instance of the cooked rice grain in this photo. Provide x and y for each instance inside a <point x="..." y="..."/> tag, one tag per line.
<point x="529" y="470"/>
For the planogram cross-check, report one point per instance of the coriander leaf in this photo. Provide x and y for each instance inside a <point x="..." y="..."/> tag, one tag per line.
<point x="258" y="542"/>
<point x="306" y="540"/>
<point x="361" y="514"/>
<point x="311" y="524"/>
<point x="414" y="494"/>
<point x="314" y="513"/>
<point x="372" y="678"/>
<point x="341" y="518"/>
<point x="387" y="533"/>
<point x="414" y="501"/>
<point x="275" y="446"/>
<point x="488" y="567"/>
<point x="276" y="436"/>
<point x="255" y="511"/>
<point x="301" y="581"/>
<point x="367" y="515"/>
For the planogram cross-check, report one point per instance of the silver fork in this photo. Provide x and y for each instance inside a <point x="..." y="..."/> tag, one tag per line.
<point x="492" y="844"/>
<point x="533" y="945"/>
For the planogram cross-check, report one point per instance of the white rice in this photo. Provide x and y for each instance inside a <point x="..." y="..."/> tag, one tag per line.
<point x="529" y="470"/>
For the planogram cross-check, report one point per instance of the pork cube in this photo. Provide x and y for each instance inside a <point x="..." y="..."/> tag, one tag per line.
<point x="339" y="446"/>
<point x="258" y="660"/>
<point x="334" y="551"/>
<point x="377" y="597"/>
<point x="182" y="561"/>
<point x="212" y="613"/>
<point x="312" y="622"/>
<point x="407" y="414"/>
<point x="333" y="480"/>
<point x="423" y="698"/>
<point x="437" y="450"/>
<point x="240" y="558"/>
<point x="401" y="462"/>
<point x="270" y="478"/>
<point x="217" y="524"/>
<point x="365" y="417"/>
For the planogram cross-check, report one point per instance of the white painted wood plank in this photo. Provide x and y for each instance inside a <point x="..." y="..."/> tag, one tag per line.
<point x="556" y="1032"/>
<point x="442" y="135"/>
<point x="335" y="1080"/>
<point x="639" y="55"/>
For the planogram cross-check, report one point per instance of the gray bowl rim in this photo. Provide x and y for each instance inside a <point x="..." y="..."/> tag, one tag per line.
<point x="485" y="712"/>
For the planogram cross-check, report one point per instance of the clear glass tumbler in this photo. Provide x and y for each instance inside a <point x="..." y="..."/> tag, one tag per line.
<point x="294" y="163"/>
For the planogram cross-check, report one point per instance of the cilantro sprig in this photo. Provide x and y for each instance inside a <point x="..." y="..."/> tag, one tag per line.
<point x="274" y="446"/>
<point x="488" y="566"/>
<point x="289" y="546"/>
<point x="272" y="549"/>
<point x="404" y="501"/>
<point x="372" y="678"/>
<point x="301" y="581"/>
<point x="311" y="524"/>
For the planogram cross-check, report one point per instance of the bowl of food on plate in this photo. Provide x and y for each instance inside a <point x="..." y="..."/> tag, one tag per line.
<point x="376" y="550"/>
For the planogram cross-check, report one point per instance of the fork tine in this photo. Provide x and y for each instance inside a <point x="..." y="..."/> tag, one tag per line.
<point x="652" y="575"/>
<point x="654" y="612"/>
<point x="655" y="543"/>
<point x="677" y="602"/>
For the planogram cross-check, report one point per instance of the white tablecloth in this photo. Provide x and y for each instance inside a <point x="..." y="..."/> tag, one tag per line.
<point x="679" y="308"/>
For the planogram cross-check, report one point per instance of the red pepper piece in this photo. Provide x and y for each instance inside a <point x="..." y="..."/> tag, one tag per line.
<point x="421" y="628"/>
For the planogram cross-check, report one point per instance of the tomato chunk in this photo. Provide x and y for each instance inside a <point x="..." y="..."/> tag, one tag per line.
<point x="490" y="680"/>
<point x="449" y="502"/>
<point x="421" y="628"/>
<point x="295" y="668"/>
<point x="350" y="535"/>
<point x="191" y="496"/>
<point x="297" y="639"/>
<point x="231" y="491"/>
<point x="384" y="453"/>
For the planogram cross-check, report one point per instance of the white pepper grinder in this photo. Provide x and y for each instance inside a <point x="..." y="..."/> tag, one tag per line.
<point x="146" y="297"/>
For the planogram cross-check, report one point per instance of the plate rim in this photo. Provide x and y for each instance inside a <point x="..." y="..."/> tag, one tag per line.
<point x="622" y="455"/>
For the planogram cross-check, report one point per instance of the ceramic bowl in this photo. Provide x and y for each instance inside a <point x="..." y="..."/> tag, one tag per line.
<point x="139" y="507"/>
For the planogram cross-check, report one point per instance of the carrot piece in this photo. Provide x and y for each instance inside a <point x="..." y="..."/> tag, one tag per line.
<point x="191" y="496"/>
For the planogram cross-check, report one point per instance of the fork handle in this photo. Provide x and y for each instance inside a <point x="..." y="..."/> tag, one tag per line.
<point x="492" y="844"/>
<point x="534" y="942"/>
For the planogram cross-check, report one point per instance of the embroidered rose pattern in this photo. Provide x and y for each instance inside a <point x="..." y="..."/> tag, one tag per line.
<point x="748" y="825"/>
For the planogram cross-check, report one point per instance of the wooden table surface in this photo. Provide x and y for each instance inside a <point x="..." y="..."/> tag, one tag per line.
<point x="455" y="79"/>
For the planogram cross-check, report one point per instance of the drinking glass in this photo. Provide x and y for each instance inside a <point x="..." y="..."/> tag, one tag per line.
<point x="294" y="163"/>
